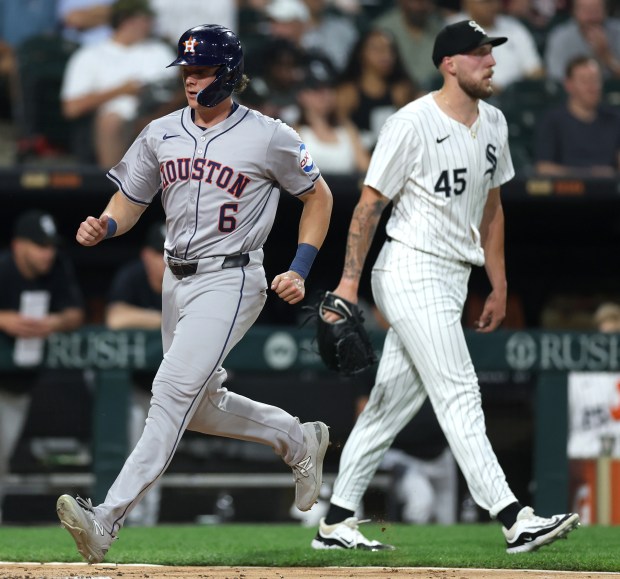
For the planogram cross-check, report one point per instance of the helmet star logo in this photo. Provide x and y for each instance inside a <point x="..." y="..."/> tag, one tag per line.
<point x="190" y="44"/>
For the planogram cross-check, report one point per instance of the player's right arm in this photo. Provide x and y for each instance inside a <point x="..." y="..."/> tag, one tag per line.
<point x="362" y="229"/>
<point x="121" y="210"/>
<point x="390" y="167"/>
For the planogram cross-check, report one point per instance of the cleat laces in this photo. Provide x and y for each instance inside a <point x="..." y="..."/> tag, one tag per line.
<point x="86" y="504"/>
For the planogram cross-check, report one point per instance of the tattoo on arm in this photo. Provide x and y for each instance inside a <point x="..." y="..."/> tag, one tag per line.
<point x="361" y="233"/>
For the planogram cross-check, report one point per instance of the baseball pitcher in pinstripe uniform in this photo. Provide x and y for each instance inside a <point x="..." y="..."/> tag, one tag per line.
<point x="440" y="161"/>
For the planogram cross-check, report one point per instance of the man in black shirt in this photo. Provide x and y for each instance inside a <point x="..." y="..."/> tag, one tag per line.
<point x="580" y="137"/>
<point x="39" y="295"/>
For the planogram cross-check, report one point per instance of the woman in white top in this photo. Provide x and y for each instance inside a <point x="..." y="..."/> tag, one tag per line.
<point x="336" y="144"/>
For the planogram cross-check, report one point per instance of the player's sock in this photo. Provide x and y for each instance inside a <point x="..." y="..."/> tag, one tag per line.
<point x="337" y="515"/>
<point x="508" y="516"/>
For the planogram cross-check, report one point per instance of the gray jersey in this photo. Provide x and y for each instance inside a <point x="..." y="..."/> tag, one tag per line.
<point x="438" y="174"/>
<point x="220" y="186"/>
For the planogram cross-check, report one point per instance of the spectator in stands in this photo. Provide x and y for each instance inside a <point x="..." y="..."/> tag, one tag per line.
<point x="85" y="21"/>
<point x="278" y="57"/>
<point x="374" y="85"/>
<point x="280" y="78"/>
<point x="588" y="32"/>
<point x="288" y="19"/>
<point x="39" y="295"/>
<point x="135" y="302"/>
<point x="519" y="58"/>
<point x="335" y="143"/>
<point x="538" y="16"/>
<point x="329" y="34"/>
<point x="607" y="317"/>
<point x="414" y="25"/>
<point x="121" y="83"/>
<point x="174" y="17"/>
<point x="580" y="137"/>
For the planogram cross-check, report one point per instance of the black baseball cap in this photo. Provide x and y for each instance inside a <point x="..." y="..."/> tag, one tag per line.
<point x="318" y="73"/>
<point x="37" y="226"/>
<point x="156" y="236"/>
<point x="462" y="37"/>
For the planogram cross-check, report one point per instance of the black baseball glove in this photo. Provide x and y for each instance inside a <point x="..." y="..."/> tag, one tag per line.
<point x="343" y="345"/>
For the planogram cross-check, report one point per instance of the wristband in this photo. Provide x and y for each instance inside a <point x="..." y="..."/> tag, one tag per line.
<point x="303" y="259"/>
<point x="112" y="226"/>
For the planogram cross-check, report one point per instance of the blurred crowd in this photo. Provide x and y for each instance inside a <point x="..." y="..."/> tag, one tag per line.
<point x="79" y="79"/>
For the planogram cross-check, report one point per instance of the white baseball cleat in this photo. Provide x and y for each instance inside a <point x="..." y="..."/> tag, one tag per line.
<point x="309" y="471"/>
<point x="78" y="517"/>
<point x="531" y="532"/>
<point x="346" y="535"/>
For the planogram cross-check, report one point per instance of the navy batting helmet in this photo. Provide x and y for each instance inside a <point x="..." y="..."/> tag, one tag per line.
<point x="212" y="45"/>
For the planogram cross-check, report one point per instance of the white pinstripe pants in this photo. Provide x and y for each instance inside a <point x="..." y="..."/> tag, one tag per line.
<point x="425" y="353"/>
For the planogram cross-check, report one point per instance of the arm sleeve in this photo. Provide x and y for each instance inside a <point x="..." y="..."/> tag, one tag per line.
<point x="137" y="174"/>
<point x="505" y="170"/>
<point x="289" y="162"/>
<point x="391" y="163"/>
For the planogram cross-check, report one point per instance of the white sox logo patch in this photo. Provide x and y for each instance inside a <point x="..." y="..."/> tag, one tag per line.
<point x="190" y="45"/>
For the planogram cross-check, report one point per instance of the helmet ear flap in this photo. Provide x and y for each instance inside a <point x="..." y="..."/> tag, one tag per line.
<point x="222" y="86"/>
<point x="214" y="93"/>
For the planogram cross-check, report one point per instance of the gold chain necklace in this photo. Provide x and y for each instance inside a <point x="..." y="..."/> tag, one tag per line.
<point x="473" y="129"/>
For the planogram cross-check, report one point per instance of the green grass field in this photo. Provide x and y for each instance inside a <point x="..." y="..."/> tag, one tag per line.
<point x="476" y="546"/>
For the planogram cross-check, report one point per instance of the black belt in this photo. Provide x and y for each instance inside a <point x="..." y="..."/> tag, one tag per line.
<point x="181" y="270"/>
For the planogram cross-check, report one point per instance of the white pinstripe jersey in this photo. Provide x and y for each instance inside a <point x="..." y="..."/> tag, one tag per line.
<point x="438" y="176"/>
<point x="219" y="186"/>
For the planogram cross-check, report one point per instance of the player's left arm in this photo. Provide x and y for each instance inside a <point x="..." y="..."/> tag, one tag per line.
<point x="492" y="239"/>
<point x="313" y="226"/>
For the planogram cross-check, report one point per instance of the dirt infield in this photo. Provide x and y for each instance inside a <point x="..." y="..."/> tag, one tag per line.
<point x="110" y="571"/>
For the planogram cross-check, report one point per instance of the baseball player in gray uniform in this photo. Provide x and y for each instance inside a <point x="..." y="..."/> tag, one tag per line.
<point x="219" y="167"/>
<point x="441" y="161"/>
